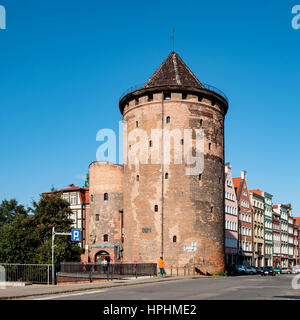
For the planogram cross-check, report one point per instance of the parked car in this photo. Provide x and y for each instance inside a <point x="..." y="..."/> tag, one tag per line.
<point x="277" y="270"/>
<point x="250" y="270"/>
<point x="286" y="271"/>
<point x="240" y="269"/>
<point x="258" y="269"/>
<point x="268" y="271"/>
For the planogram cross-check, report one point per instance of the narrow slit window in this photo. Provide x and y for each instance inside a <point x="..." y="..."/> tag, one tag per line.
<point x="137" y="178"/>
<point x="174" y="239"/>
<point x="167" y="95"/>
<point x="211" y="209"/>
<point x="137" y="124"/>
<point x="156" y="208"/>
<point x="181" y="141"/>
<point x="209" y="146"/>
<point x="150" y="143"/>
<point x="200" y="176"/>
<point x="166" y="175"/>
<point x="168" y="120"/>
<point x="97" y="217"/>
<point x="105" y="196"/>
<point x="201" y="122"/>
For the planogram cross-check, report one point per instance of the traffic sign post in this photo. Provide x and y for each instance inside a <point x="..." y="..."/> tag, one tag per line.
<point x="75" y="236"/>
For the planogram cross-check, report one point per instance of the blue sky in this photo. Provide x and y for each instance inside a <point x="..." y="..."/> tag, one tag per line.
<point x="64" y="65"/>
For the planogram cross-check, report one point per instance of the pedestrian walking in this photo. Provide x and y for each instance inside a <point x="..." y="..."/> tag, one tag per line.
<point x="161" y="265"/>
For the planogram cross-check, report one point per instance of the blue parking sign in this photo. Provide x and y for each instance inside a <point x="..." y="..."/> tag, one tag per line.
<point x="76" y="235"/>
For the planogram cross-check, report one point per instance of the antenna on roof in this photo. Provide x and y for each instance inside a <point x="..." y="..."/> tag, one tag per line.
<point x="173" y="38"/>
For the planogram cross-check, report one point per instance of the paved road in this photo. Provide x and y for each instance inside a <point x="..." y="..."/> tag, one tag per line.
<point x="232" y="288"/>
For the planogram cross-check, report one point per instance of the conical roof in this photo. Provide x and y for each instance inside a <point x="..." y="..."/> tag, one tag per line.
<point x="173" y="71"/>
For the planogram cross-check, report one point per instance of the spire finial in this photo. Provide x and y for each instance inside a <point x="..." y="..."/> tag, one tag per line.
<point x="173" y="38"/>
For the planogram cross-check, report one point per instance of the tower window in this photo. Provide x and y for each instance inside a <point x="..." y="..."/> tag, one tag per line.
<point x="137" y="178"/>
<point x="137" y="124"/>
<point x="219" y="180"/>
<point x="167" y="95"/>
<point x="200" y="98"/>
<point x="209" y="146"/>
<point x="166" y="175"/>
<point x="150" y="143"/>
<point x="201" y="122"/>
<point x="105" y="196"/>
<point x="92" y="198"/>
<point x="211" y="209"/>
<point x="168" y="120"/>
<point x="174" y="239"/>
<point x="181" y="141"/>
<point x="105" y="238"/>
<point x="150" y="97"/>
<point x="213" y="102"/>
<point x="156" y="208"/>
<point x="97" y="217"/>
<point x="136" y="101"/>
<point x="184" y="95"/>
<point x="200" y="176"/>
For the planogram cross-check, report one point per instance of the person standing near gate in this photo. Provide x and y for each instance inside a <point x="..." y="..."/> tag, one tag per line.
<point x="161" y="265"/>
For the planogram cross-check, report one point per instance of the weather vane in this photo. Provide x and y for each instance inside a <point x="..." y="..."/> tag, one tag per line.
<point x="173" y="38"/>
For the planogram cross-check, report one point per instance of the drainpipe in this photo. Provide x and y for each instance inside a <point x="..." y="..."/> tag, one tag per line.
<point x="162" y="175"/>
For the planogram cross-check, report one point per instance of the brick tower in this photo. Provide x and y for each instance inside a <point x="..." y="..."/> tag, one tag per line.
<point x="167" y="212"/>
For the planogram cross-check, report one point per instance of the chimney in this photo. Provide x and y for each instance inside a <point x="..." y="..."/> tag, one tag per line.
<point x="243" y="174"/>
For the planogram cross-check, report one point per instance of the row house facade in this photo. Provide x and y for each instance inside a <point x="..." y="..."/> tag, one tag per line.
<point x="231" y="219"/>
<point x="297" y="239"/>
<point x="292" y="259"/>
<point x="284" y="235"/>
<point x="258" y="214"/>
<point x="268" y="228"/>
<point x="276" y="239"/>
<point x="245" y="250"/>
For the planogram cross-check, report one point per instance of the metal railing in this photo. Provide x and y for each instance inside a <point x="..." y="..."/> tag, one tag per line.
<point x="205" y="85"/>
<point x="110" y="270"/>
<point x="33" y="273"/>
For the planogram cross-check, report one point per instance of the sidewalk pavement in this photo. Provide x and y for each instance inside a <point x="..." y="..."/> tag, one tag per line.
<point x="39" y="290"/>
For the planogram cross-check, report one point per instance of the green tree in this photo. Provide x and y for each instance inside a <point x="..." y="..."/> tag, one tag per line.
<point x="87" y="181"/>
<point x="53" y="211"/>
<point x="10" y="209"/>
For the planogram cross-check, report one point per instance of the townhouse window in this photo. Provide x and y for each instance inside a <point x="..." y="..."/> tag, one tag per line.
<point x="105" y="238"/>
<point x="73" y="198"/>
<point x="168" y="119"/>
<point x="105" y="196"/>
